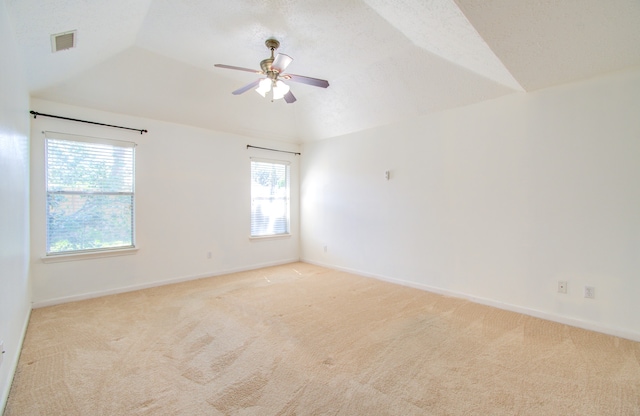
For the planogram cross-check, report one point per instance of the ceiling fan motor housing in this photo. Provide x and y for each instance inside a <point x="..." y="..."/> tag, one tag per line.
<point x="265" y="64"/>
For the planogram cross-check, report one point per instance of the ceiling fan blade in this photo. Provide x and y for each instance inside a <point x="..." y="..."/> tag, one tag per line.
<point x="289" y="97"/>
<point x="237" y="68"/>
<point x="281" y="62"/>
<point x="246" y="88"/>
<point x="306" y="80"/>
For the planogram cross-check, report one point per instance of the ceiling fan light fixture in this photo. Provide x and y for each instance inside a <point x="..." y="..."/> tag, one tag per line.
<point x="264" y="87"/>
<point x="279" y="90"/>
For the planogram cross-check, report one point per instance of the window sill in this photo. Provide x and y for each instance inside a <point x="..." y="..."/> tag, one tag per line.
<point x="56" y="258"/>
<point x="269" y="237"/>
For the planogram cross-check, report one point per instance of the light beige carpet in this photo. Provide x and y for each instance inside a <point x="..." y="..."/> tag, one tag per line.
<point x="305" y="340"/>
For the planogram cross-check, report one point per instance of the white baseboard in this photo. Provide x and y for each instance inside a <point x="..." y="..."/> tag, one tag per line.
<point x="566" y="320"/>
<point x="90" y="295"/>
<point x="13" y="361"/>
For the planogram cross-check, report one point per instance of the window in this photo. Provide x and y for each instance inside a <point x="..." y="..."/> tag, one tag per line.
<point x="269" y="198"/>
<point x="90" y="194"/>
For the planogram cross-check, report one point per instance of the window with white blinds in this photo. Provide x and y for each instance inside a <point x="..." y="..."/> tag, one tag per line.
<point x="269" y="198"/>
<point x="90" y="194"/>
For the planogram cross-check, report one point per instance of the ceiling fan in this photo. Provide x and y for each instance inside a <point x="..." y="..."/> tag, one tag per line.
<point x="273" y="68"/>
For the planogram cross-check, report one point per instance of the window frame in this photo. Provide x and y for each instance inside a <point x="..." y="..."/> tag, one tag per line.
<point x="287" y="199"/>
<point x="77" y="254"/>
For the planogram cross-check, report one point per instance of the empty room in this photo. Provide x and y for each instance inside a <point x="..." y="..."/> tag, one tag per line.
<point x="325" y="207"/>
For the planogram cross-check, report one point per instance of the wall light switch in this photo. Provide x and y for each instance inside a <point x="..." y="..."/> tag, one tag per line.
<point x="562" y="286"/>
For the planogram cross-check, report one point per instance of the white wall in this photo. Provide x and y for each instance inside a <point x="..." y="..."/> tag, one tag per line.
<point x="15" y="296"/>
<point x="192" y="197"/>
<point x="495" y="202"/>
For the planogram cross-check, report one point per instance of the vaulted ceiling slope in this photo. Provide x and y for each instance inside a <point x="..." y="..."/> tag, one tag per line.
<point x="386" y="60"/>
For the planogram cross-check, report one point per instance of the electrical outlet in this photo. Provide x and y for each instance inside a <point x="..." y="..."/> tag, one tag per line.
<point x="209" y="255"/>
<point x="589" y="292"/>
<point x="562" y="286"/>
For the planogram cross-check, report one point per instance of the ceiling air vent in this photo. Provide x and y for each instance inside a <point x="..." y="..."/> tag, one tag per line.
<point x="62" y="41"/>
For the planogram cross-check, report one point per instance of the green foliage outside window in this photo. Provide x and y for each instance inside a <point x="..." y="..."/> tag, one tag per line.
<point x="89" y="196"/>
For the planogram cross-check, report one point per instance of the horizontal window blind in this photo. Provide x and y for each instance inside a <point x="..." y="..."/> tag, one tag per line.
<point x="90" y="194"/>
<point x="269" y="198"/>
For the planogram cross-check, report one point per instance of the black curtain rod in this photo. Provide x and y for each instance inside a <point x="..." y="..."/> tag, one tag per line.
<point x="35" y="114"/>
<point x="273" y="150"/>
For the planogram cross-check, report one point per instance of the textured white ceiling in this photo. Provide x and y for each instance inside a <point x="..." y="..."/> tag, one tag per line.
<point x="551" y="42"/>
<point x="440" y="27"/>
<point x="104" y="29"/>
<point x="386" y="60"/>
